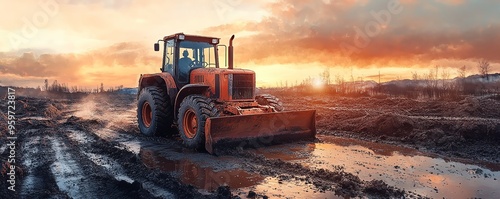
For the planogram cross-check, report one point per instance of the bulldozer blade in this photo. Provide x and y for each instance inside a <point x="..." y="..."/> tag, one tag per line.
<point x="259" y="129"/>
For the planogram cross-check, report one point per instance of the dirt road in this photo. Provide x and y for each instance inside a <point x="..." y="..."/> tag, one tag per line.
<point x="89" y="147"/>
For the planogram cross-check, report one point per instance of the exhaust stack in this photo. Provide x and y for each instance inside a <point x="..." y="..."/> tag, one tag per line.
<point x="230" y="55"/>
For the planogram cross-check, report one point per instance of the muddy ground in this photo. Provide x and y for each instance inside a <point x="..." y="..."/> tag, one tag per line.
<point x="464" y="128"/>
<point x="90" y="147"/>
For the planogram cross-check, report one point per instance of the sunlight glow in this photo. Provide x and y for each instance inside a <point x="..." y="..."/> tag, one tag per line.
<point x="318" y="83"/>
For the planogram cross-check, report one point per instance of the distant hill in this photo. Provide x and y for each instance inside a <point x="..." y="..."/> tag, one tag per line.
<point x="492" y="78"/>
<point x="130" y="91"/>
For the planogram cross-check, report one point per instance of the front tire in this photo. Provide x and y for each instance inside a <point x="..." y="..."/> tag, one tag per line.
<point x="270" y="100"/>
<point x="154" y="113"/>
<point x="193" y="113"/>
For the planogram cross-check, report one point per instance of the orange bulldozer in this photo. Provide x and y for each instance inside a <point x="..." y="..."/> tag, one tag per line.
<point x="210" y="106"/>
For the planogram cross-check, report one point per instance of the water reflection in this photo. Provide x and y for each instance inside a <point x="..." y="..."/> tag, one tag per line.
<point x="298" y="151"/>
<point x="405" y="168"/>
<point x="197" y="175"/>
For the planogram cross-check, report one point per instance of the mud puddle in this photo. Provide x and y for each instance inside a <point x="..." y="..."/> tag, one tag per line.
<point x="404" y="168"/>
<point x="198" y="174"/>
<point x="276" y="188"/>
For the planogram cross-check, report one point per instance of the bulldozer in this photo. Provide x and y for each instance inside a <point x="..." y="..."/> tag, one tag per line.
<point x="208" y="105"/>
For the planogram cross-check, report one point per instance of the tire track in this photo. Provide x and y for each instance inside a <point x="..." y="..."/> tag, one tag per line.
<point x="69" y="176"/>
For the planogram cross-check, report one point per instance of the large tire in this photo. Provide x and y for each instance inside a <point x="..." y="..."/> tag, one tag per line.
<point x="154" y="112"/>
<point x="270" y="100"/>
<point x="193" y="113"/>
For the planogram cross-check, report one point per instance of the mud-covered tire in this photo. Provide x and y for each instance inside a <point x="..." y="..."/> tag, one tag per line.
<point x="154" y="112"/>
<point x="193" y="113"/>
<point x="270" y="100"/>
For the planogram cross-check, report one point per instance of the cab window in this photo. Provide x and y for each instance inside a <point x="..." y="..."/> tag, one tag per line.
<point x="168" y="61"/>
<point x="194" y="55"/>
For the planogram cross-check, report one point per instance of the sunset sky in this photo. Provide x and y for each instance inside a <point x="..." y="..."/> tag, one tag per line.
<point x="86" y="42"/>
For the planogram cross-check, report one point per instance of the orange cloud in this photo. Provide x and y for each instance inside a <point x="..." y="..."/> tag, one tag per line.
<point x="119" y="64"/>
<point x="318" y="31"/>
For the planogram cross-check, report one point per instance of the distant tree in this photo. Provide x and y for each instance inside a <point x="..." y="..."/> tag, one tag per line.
<point x="74" y="89"/>
<point x="430" y="80"/>
<point x="484" y="67"/>
<point x="325" y="76"/>
<point x="379" y="77"/>
<point x="352" y="75"/>
<point x="462" y="71"/>
<point x="46" y="86"/>
<point x="54" y="86"/>
<point x="444" y="76"/>
<point x="118" y="88"/>
<point x="414" y="75"/>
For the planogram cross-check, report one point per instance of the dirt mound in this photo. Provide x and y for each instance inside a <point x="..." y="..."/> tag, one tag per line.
<point x="387" y="124"/>
<point x="480" y="107"/>
<point x="22" y="105"/>
<point x="482" y="131"/>
<point x="52" y="112"/>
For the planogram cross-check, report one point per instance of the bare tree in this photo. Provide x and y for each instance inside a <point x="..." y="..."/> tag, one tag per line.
<point x="436" y="73"/>
<point x="462" y="71"/>
<point x="46" y="85"/>
<point x="325" y="76"/>
<point x="484" y="67"/>
<point x="352" y="76"/>
<point x="74" y="89"/>
<point x="445" y="75"/>
<point x="379" y="77"/>
<point x="414" y="75"/>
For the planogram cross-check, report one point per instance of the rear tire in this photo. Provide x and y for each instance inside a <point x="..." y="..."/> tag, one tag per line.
<point x="270" y="100"/>
<point x="154" y="113"/>
<point x="193" y="113"/>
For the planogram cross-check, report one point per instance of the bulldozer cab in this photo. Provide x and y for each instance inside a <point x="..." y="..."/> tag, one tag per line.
<point x="184" y="53"/>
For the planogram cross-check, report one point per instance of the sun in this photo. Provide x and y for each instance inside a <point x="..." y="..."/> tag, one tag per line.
<point x="318" y="83"/>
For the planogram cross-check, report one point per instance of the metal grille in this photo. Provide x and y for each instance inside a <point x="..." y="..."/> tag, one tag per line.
<point x="243" y="86"/>
<point x="199" y="78"/>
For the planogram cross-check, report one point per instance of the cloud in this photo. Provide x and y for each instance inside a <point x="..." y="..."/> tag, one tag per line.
<point x="109" y="64"/>
<point x="325" y="31"/>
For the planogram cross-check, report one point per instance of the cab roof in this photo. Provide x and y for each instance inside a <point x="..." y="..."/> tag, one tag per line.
<point x="191" y="37"/>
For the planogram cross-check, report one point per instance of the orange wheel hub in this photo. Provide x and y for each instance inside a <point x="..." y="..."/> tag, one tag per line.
<point x="147" y="114"/>
<point x="190" y="123"/>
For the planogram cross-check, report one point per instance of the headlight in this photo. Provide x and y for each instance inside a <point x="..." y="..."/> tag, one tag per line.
<point x="215" y="41"/>
<point x="181" y="37"/>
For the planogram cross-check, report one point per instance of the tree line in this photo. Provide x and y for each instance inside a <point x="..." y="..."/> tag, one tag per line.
<point x="55" y="86"/>
<point x="436" y="83"/>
